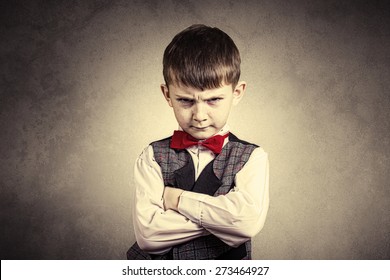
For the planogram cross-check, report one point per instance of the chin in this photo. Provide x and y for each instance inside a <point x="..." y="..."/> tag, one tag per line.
<point x="201" y="135"/>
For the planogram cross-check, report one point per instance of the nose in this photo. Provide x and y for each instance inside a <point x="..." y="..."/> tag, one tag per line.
<point x="199" y="113"/>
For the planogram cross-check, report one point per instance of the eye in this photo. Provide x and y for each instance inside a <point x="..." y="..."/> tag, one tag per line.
<point x="185" y="101"/>
<point x="214" y="101"/>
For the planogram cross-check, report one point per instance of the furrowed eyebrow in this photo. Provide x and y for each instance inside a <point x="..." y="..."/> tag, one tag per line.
<point x="184" y="97"/>
<point x="205" y="98"/>
<point x="215" y="97"/>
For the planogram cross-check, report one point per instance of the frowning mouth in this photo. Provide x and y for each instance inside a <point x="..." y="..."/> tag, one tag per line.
<point x="199" y="128"/>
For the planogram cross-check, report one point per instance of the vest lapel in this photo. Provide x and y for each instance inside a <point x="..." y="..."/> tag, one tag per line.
<point x="185" y="176"/>
<point x="207" y="182"/>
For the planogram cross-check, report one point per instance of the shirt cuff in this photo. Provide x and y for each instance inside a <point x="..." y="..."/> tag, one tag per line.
<point x="190" y="205"/>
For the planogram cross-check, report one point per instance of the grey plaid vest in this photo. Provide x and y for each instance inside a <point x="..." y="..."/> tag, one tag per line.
<point x="217" y="178"/>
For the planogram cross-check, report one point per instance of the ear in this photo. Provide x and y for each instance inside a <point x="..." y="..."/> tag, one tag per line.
<point x="238" y="92"/>
<point x="165" y="91"/>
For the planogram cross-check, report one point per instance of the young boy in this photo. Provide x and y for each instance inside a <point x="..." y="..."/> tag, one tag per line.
<point x="201" y="193"/>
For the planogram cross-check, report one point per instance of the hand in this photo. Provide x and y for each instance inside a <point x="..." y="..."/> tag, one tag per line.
<point x="171" y="198"/>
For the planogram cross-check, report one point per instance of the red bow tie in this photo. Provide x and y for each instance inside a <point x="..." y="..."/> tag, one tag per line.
<point x="182" y="140"/>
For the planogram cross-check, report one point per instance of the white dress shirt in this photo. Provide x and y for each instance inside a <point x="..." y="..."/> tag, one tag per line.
<point x="234" y="218"/>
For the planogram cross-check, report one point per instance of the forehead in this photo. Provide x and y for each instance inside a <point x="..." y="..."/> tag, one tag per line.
<point x="190" y="91"/>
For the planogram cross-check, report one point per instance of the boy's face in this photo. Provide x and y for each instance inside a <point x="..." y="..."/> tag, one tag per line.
<point x="202" y="113"/>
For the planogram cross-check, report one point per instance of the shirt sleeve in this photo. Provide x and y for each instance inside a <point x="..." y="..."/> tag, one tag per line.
<point x="156" y="230"/>
<point x="241" y="213"/>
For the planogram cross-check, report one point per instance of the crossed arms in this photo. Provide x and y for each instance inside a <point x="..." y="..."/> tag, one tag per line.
<point x="164" y="217"/>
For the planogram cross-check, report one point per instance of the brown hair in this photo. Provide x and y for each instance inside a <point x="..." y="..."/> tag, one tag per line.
<point x="201" y="57"/>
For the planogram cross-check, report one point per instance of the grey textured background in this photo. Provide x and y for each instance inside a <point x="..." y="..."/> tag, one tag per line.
<point x="80" y="99"/>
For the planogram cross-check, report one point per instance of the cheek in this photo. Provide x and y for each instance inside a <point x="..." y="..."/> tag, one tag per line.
<point x="222" y="113"/>
<point x="221" y="118"/>
<point x="181" y="114"/>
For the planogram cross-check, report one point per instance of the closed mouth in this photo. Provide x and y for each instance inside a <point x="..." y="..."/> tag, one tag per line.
<point x="199" y="128"/>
